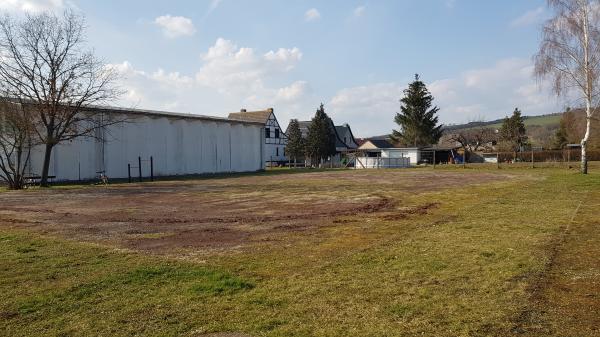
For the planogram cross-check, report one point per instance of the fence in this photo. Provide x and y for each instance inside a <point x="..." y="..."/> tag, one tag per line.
<point x="139" y="169"/>
<point x="549" y="156"/>
<point x="378" y="162"/>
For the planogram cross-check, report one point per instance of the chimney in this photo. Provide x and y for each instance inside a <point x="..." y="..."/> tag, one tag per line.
<point x="270" y="109"/>
<point x="242" y="110"/>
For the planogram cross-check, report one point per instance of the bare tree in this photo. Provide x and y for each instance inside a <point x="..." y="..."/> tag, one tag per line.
<point x="44" y="65"/>
<point x="570" y="55"/>
<point x="15" y="143"/>
<point x="473" y="139"/>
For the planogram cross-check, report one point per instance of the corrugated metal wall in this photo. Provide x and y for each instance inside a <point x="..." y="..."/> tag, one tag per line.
<point x="178" y="146"/>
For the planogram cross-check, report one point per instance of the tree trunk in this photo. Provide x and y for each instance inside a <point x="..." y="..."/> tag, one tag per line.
<point x="584" y="161"/>
<point x="588" y="92"/>
<point x="46" y="165"/>
<point x="588" y="118"/>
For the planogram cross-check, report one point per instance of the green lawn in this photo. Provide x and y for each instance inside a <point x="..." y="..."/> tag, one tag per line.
<point x="467" y="266"/>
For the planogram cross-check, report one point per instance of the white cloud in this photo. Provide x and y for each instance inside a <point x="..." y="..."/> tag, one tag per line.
<point x="486" y="93"/>
<point x="31" y="5"/>
<point x="293" y="91"/>
<point x="492" y="93"/>
<point x="359" y="11"/>
<point x="175" y="26"/>
<point x="230" y="68"/>
<point x="213" y="5"/>
<point x="312" y="14"/>
<point x="228" y="78"/>
<point x="368" y="109"/>
<point x="528" y="18"/>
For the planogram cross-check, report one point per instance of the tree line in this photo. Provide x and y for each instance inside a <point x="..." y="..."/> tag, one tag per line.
<point x="319" y="144"/>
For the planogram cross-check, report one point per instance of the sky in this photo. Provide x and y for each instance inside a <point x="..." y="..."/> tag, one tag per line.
<point x="213" y="57"/>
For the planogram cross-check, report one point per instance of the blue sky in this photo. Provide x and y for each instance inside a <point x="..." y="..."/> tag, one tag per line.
<point x="213" y="57"/>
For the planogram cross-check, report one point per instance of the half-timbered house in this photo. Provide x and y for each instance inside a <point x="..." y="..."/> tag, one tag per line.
<point x="275" y="137"/>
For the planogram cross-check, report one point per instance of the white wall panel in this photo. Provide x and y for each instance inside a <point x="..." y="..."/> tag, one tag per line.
<point x="178" y="146"/>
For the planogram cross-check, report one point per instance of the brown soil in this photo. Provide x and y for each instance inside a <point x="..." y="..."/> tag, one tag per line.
<point x="408" y="211"/>
<point x="218" y="213"/>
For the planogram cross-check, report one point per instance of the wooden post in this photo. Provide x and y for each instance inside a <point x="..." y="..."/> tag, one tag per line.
<point x="140" y="168"/>
<point x="497" y="160"/>
<point x="532" y="160"/>
<point x="434" y="159"/>
<point x="152" y="168"/>
<point x="129" y="172"/>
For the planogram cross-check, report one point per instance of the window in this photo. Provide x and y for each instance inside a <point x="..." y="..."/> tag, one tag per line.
<point x="276" y="133"/>
<point x="267" y="133"/>
<point x="277" y="150"/>
<point x="345" y="142"/>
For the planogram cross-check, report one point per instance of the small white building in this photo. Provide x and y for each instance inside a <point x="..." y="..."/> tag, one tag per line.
<point x="275" y="138"/>
<point x="179" y="144"/>
<point x="379" y="153"/>
<point x="412" y="153"/>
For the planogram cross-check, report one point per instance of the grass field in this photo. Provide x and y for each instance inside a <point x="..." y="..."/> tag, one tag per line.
<point x="445" y="252"/>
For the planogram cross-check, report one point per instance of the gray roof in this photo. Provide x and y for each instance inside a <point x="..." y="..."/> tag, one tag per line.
<point x="381" y="143"/>
<point x="110" y="109"/>
<point x="151" y="113"/>
<point x="303" y="125"/>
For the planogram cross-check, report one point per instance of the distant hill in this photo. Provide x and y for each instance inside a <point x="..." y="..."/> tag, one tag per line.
<point x="540" y="129"/>
<point x="550" y="120"/>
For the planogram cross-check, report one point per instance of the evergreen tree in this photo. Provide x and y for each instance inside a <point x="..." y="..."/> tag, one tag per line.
<point x="561" y="136"/>
<point x="417" y="120"/>
<point x="320" y="142"/>
<point x="295" y="147"/>
<point x="513" y="131"/>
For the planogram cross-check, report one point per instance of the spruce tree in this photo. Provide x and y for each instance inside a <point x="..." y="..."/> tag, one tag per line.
<point x="295" y="147"/>
<point x="513" y="131"/>
<point x="320" y="142"/>
<point x="561" y="136"/>
<point x="417" y="120"/>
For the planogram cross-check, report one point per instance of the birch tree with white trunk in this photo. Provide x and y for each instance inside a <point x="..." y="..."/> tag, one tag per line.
<point x="569" y="55"/>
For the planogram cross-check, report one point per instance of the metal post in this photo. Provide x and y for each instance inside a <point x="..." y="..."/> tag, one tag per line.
<point x="129" y="172"/>
<point x="140" y="168"/>
<point x="151" y="168"/>
<point x="434" y="159"/>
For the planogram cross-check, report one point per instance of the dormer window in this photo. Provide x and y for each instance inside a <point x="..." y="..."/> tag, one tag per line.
<point x="267" y="132"/>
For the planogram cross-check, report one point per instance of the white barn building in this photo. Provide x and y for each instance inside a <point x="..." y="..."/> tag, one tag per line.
<point x="179" y="144"/>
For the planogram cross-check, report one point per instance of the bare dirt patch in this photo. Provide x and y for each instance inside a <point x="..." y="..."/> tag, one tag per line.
<point x="220" y="213"/>
<point x="405" y="212"/>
